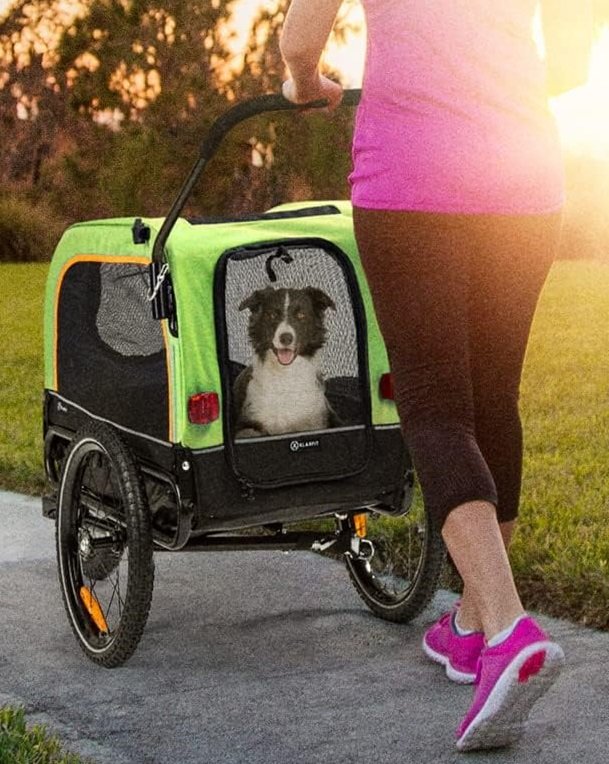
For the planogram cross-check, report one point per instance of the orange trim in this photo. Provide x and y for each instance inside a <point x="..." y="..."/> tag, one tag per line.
<point x="138" y="260"/>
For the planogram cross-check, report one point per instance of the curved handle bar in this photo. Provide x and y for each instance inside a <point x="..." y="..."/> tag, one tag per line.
<point x="261" y="105"/>
<point x="218" y="131"/>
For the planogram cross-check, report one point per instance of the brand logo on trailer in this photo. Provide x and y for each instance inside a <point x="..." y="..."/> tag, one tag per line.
<point x="298" y="445"/>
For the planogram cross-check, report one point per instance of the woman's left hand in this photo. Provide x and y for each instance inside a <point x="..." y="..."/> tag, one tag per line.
<point x="320" y="89"/>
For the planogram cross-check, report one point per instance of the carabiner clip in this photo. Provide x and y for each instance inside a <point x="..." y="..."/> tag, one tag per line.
<point x="159" y="282"/>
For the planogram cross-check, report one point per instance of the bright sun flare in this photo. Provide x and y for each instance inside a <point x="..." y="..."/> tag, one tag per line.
<point x="583" y="114"/>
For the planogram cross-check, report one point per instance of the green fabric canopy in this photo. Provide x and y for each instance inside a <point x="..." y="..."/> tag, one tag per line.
<point x="193" y="251"/>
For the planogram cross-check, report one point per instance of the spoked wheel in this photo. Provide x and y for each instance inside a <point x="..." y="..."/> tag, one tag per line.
<point x="104" y="545"/>
<point x="395" y="563"/>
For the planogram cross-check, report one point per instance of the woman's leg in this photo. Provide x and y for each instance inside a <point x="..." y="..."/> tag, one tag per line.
<point x="468" y="617"/>
<point x="418" y="271"/>
<point x="510" y="258"/>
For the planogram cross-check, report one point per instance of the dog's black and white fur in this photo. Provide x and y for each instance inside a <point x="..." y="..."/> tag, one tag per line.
<point x="283" y="389"/>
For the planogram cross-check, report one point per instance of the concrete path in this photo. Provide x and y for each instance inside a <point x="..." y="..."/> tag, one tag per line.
<point x="262" y="658"/>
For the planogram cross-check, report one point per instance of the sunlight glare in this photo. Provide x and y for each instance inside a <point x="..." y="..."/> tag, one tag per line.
<point x="583" y="114"/>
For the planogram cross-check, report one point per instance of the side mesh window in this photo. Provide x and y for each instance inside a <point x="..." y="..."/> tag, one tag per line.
<point x="124" y="320"/>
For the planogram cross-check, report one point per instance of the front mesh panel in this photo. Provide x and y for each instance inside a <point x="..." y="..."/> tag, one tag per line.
<point x="311" y="267"/>
<point x="337" y="359"/>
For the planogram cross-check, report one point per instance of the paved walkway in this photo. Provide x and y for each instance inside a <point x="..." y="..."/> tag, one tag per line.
<point x="262" y="658"/>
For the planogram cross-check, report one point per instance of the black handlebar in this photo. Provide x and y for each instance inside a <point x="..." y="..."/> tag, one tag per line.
<point x="218" y="131"/>
<point x="261" y="105"/>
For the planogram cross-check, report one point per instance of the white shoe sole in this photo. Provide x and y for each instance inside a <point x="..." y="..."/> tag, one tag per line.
<point x="502" y="719"/>
<point x="460" y="677"/>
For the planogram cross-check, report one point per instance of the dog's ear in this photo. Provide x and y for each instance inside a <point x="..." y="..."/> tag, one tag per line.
<point x="254" y="301"/>
<point x="319" y="298"/>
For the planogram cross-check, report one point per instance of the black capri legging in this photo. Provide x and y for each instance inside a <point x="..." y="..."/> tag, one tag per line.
<point x="455" y="297"/>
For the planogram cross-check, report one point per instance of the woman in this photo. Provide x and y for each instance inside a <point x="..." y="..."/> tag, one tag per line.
<point x="457" y="190"/>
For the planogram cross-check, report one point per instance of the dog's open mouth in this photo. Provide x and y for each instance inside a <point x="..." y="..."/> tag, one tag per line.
<point x="285" y="356"/>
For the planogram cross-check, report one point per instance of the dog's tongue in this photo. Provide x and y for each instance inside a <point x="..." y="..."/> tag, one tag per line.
<point x="285" y="356"/>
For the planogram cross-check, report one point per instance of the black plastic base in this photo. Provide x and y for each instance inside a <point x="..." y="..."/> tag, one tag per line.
<point x="210" y="498"/>
<point x="291" y="540"/>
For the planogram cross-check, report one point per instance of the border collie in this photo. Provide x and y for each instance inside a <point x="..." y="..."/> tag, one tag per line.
<point x="283" y="389"/>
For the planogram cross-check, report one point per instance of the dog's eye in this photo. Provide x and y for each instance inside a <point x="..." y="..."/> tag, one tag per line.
<point x="273" y="314"/>
<point x="300" y="315"/>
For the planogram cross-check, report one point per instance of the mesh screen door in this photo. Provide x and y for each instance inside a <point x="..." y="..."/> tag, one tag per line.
<point x="291" y="318"/>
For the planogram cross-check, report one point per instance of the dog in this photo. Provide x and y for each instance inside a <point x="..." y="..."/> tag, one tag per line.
<point x="283" y="390"/>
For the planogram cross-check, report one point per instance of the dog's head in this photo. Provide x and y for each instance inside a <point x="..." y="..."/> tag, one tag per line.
<point x="288" y="322"/>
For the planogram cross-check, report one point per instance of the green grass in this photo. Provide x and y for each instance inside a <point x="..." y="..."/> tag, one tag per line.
<point x="22" y="745"/>
<point x="561" y="550"/>
<point x="21" y="376"/>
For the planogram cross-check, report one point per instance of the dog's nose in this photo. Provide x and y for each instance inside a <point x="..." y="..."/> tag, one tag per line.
<point x="286" y="338"/>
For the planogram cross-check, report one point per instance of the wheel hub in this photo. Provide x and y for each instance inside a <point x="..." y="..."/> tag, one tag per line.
<point x="85" y="544"/>
<point x="362" y="549"/>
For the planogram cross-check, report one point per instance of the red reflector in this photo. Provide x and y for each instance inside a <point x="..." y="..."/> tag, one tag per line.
<point x="203" y="408"/>
<point x="386" y="386"/>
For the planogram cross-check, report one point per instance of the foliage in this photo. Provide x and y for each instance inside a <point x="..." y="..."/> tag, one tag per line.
<point x="34" y="112"/>
<point x="104" y="103"/>
<point x="20" y="745"/>
<point x="117" y="96"/>
<point x="147" y="62"/>
<point x="28" y="232"/>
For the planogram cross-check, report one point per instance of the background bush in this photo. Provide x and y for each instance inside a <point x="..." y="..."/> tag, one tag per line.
<point x="29" y="232"/>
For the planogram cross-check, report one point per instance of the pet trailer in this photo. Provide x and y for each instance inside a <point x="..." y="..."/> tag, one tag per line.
<point x="212" y="385"/>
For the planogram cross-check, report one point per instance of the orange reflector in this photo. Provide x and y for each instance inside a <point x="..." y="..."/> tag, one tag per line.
<point x="359" y="521"/>
<point x="89" y="600"/>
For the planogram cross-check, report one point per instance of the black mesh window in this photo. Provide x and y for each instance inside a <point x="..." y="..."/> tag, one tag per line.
<point x="110" y="352"/>
<point x="123" y="317"/>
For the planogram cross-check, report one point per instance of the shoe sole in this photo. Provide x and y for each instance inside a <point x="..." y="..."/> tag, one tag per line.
<point x="502" y="719"/>
<point x="460" y="677"/>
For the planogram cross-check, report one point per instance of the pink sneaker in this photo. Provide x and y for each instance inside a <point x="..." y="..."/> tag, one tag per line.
<point x="459" y="655"/>
<point x="511" y="677"/>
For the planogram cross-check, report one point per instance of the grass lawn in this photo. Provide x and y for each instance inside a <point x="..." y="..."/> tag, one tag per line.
<point x="28" y="745"/>
<point x="561" y="550"/>
<point x="21" y="376"/>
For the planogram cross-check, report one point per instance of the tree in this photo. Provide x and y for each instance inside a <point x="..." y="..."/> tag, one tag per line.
<point x="303" y="158"/>
<point x="32" y="103"/>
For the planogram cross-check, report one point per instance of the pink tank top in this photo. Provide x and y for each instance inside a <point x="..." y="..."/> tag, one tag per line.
<point x="454" y="114"/>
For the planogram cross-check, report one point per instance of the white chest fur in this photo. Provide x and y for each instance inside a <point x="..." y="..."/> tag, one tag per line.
<point x="286" y="398"/>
